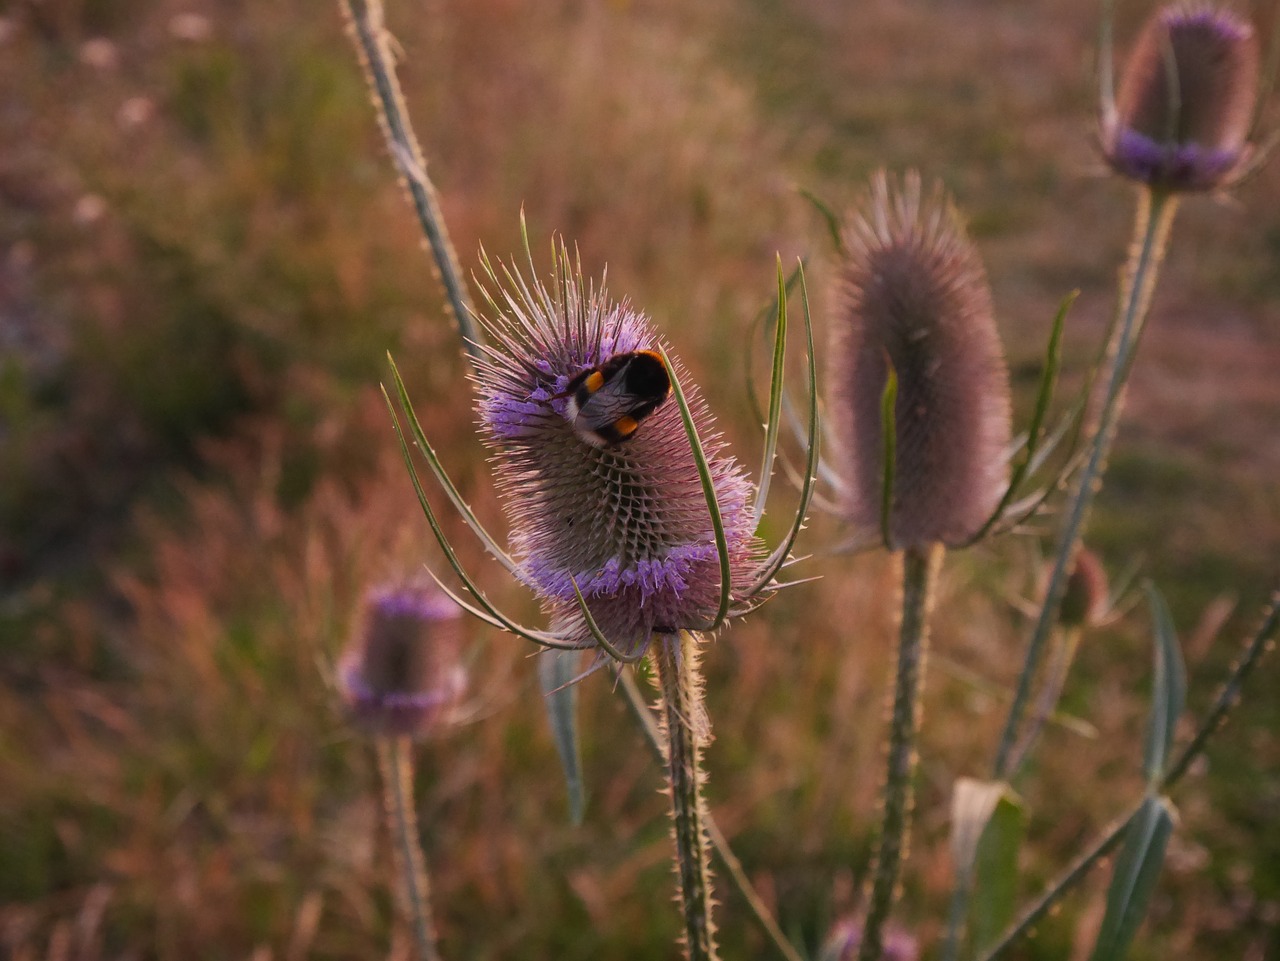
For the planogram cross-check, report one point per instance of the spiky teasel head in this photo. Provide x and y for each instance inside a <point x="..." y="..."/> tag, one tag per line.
<point x="401" y="674"/>
<point x="597" y="498"/>
<point x="1182" y="117"/>
<point x="913" y="298"/>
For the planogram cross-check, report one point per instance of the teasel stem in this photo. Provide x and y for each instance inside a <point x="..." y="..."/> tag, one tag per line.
<point x="367" y="23"/>
<point x="675" y="658"/>
<point x="919" y="576"/>
<point x="1064" y="652"/>
<point x="1229" y="695"/>
<point x="737" y="873"/>
<point x="395" y="761"/>
<point x="1154" y="218"/>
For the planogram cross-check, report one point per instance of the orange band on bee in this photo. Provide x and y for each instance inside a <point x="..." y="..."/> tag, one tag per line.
<point x="626" y="426"/>
<point x="594" y="381"/>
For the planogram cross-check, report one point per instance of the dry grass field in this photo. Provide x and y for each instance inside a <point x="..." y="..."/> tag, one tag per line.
<point x="203" y="259"/>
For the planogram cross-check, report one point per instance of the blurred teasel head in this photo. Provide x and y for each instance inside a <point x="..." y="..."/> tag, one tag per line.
<point x="1182" y="117"/>
<point x="913" y="299"/>
<point x="401" y="674"/>
<point x="599" y="479"/>
<point x="1085" y="600"/>
<point x="845" y="941"/>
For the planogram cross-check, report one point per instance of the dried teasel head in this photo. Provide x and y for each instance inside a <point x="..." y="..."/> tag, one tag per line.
<point x="913" y="298"/>
<point x="1182" y="117"/>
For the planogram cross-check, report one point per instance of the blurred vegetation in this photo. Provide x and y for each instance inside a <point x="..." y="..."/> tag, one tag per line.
<point x="204" y="257"/>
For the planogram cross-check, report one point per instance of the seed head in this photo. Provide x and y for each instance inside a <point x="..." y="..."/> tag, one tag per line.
<point x="913" y="294"/>
<point x="626" y="520"/>
<point x="1085" y="598"/>
<point x="400" y="676"/>
<point x="1186" y="100"/>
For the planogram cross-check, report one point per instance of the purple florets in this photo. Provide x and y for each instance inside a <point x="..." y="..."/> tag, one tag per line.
<point x="628" y="521"/>
<point x="1182" y="116"/>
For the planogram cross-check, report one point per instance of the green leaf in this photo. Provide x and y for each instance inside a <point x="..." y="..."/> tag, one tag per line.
<point x="972" y="802"/>
<point x="774" y="416"/>
<point x="1169" y="689"/>
<point x="556" y="672"/>
<point x="828" y="216"/>
<point x="996" y="870"/>
<point x="1137" y="867"/>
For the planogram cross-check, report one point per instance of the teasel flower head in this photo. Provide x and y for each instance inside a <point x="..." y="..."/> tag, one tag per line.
<point x="1085" y="601"/>
<point x="628" y="517"/>
<point x="913" y="305"/>
<point x="1182" y="117"/>
<point x="401" y="675"/>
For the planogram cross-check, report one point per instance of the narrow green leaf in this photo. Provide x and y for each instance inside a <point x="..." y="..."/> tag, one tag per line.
<point x="889" y="430"/>
<point x="1169" y="689"/>
<point x="996" y="870"/>
<point x="1044" y="395"/>
<point x="829" y="217"/>
<point x="774" y="562"/>
<point x="775" y="401"/>
<point x="556" y="671"/>
<point x="708" y="492"/>
<point x="1132" y="883"/>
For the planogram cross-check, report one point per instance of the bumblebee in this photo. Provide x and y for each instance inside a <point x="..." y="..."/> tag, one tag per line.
<point x="607" y="403"/>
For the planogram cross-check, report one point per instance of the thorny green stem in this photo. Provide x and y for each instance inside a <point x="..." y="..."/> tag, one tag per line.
<point x="395" y="760"/>
<point x="644" y="716"/>
<point x="368" y="29"/>
<point x="1154" y="218"/>
<point x="919" y="574"/>
<point x="684" y="723"/>
<point x="1228" y="696"/>
<point x="1064" y="652"/>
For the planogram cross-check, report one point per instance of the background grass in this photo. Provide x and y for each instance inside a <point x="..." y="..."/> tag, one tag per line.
<point x="203" y="257"/>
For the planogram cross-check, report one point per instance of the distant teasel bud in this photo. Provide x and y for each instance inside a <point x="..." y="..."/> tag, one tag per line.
<point x="401" y="674"/>
<point x="845" y="940"/>
<point x="1085" y="599"/>
<point x="1186" y="100"/>
<point x="913" y="294"/>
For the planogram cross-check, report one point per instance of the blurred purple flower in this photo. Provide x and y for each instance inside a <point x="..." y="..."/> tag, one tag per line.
<point x="401" y="674"/>
<point x="845" y="940"/>
<point x="1182" y="116"/>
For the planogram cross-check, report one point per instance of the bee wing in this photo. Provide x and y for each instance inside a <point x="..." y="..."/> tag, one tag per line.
<point x="605" y="406"/>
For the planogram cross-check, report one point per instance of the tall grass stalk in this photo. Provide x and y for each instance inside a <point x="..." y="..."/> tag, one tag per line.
<point x="395" y="760"/>
<point x="919" y="576"/>
<point x="1152" y="223"/>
